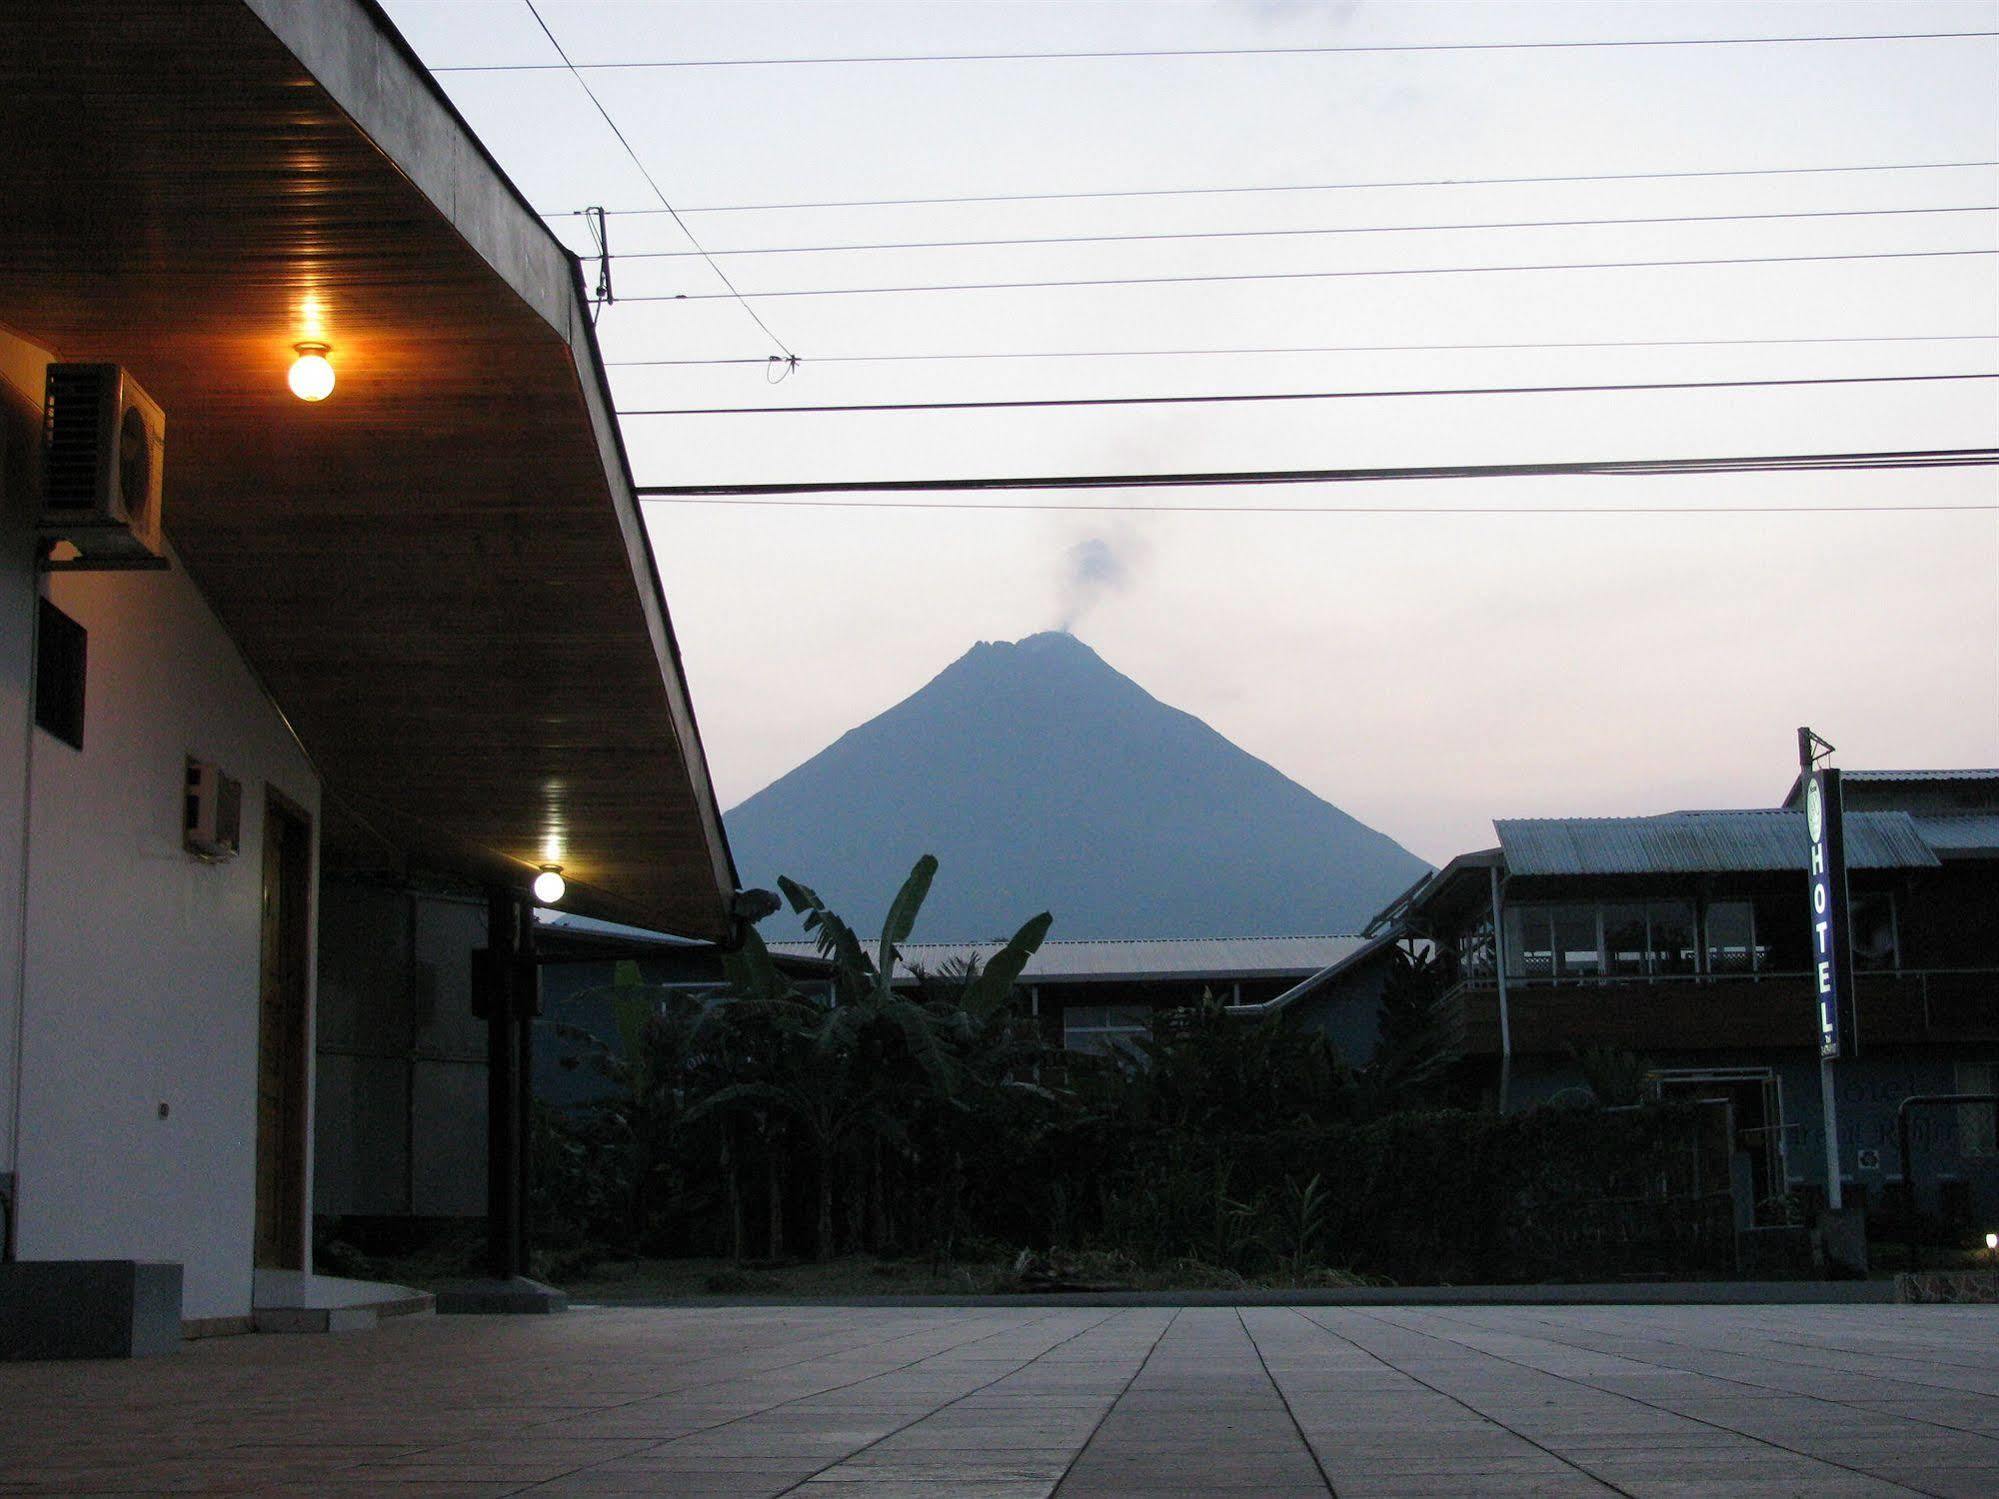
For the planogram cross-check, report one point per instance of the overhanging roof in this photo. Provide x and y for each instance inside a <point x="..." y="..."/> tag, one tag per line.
<point x="1960" y="835"/>
<point x="440" y="573"/>
<point x="1700" y="843"/>
<point x="1363" y="949"/>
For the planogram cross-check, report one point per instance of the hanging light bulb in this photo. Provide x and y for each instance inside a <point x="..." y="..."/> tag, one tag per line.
<point x="311" y="377"/>
<point x="549" y="884"/>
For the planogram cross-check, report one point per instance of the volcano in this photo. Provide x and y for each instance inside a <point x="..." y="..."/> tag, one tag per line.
<point x="1044" y="779"/>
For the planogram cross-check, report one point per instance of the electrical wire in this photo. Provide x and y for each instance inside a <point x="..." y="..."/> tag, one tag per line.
<point x="813" y="493"/>
<point x="1168" y="52"/>
<point x="1298" y="187"/>
<point x="1433" y="270"/>
<point x="665" y="203"/>
<point x="1307" y="395"/>
<point x="1642" y="343"/>
<point x="1126" y="239"/>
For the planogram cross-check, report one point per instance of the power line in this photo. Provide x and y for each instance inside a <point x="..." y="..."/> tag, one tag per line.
<point x="802" y="493"/>
<point x="1302" y="187"/>
<point x="1642" y="343"/>
<point x="1166" y="52"/>
<point x="1122" y="239"/>
<point x="657" y="192"/>
<point x="1309" y="395"/>
<point x="1435" y="270"/>
<point x="1658" y="343"/>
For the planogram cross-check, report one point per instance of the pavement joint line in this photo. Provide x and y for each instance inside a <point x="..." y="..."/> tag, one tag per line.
<point x="1116" y="1400"/>
<point x="975" y="1390"/>
<point x="1853" y="1352"/>
<point x="834" y="1389"/>
<point x="1751" y="1384"/>
<point x="765" y="1410"/>
<point x="1904" y="1358"/>
<point x="839" y="1352"/>
<point x="419" y="1453"/>
<point x="1669" y="1411"/>
<point x="1305" y="1441"/>
<point x="1522" y="1436"/>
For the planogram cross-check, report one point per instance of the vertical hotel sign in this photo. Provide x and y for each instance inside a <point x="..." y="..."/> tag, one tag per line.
<point x="1832" y="954"/>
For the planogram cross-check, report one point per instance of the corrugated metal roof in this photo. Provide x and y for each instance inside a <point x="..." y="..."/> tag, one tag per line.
<point x="1959" y="834"/>
<point x="1795" y="796"/>
<point x="1920" y="775"/>
<point x="1701" y="842"/>
<point x="1151" y="958"/>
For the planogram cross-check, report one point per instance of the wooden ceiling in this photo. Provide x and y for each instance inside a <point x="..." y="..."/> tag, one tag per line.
<point x="439" y="572"/>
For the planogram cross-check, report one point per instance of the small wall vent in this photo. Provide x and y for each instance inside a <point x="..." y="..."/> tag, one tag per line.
<point x="212" y="818"/>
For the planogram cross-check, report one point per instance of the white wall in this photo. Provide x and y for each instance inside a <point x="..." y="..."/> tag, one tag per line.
<point x="21" y="373"/>
<point x="142" y="963"/>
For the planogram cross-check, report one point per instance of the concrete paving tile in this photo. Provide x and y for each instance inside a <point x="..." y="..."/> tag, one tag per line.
<point x="702" y="1402"/>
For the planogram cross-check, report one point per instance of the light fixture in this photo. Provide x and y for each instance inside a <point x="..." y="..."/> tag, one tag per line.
<point x="1992" y="1242"/>
<point x="311" y="377"/>
<point x="549" y="884"/>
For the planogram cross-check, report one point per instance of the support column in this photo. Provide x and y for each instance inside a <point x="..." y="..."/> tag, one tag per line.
<point x="497" y="974"/>
<point x="506" y="992"/>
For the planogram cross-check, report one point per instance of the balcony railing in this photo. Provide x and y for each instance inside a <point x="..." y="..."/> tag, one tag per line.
<point x="1723" y="1011"/>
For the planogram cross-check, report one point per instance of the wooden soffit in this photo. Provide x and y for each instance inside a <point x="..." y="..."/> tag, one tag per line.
<point x="440" y="572"/>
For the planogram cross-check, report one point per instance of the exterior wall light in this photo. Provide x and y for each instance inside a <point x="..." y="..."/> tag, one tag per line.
<point x="311" y="377"/>
<point x="549" y="884"/>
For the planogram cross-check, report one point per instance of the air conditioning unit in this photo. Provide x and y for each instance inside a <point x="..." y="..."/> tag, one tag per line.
<point x="212" y="815"/>
<point x="103" y="452"/>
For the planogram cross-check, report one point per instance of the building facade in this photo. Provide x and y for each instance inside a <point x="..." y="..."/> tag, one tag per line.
<point x="254" y="631"/>
<point x="1682" y="940"/>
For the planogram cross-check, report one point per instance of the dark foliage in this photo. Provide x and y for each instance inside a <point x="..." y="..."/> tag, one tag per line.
<point x="927" y="1118"/>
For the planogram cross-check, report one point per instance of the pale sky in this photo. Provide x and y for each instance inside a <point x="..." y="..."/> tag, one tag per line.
<point x="1425" y="672"/>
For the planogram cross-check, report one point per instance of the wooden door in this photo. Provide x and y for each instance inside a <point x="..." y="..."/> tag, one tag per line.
<point x="281" y="1036"/>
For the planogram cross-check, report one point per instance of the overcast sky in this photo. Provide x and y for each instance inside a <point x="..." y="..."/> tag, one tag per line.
<point x="1425" y="672"/>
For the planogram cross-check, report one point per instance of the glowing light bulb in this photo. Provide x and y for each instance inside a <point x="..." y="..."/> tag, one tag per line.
<point x="549" y="884"/>
<point x="311" y="377"/>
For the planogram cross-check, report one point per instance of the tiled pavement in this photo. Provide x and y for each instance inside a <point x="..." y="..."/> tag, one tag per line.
<point x="1023" y="1402"/>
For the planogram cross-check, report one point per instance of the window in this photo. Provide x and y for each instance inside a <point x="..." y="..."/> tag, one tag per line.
<point x="1578" y="950"/>
<point x="1530" y="952"/>
<point x="1671" y="942"/>
<point x="1102" y="1029"/>
<point x="1731" y="937"/>
<point x="1626" y="946"/>
<point x="1620" y="939"/>
<point x="1977" y="1123"/>
<point x="1870" y="917"/>
<point x="60" y="650"/>
<point x="1553" y="942"/>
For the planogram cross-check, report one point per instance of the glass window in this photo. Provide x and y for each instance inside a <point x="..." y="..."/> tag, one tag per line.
<point x="1625" y="946"/>
<point x="1101" y="1029"/>
<point x="1577" y="953"/>
<point x="1731" y="937"/>
<point x="1672" y="939"/>
<point x="1871" y="919"/>
<point x="1528" y="952"/>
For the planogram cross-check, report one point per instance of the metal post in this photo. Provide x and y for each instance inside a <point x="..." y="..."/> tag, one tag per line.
<point x="504" y="977"/>
<point x="1832" y="1194"/>
<point x="1505" y="1020"/>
